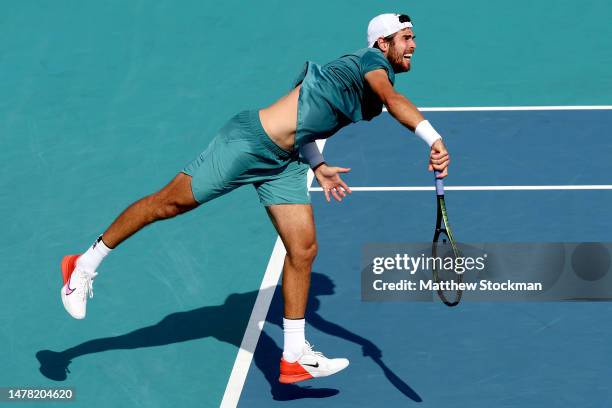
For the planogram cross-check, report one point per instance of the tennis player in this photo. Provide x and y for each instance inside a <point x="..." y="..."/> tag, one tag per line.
<point x="262" y="148"/>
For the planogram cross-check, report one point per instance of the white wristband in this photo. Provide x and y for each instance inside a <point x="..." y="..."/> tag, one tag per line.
<point x="310" y="152"/>
<point x="425" y="131"/>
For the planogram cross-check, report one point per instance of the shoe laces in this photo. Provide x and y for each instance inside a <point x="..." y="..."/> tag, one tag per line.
<point x="309" y="349"/>
<point x="86" y="283"/>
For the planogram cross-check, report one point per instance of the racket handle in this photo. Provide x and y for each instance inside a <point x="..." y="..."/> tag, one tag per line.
<point x="439" y="184"/>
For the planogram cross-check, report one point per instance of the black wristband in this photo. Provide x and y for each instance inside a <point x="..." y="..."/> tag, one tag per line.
<point x="318" y="165"/>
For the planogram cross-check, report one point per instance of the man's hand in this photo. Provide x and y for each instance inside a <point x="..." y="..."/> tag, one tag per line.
<point x="330" y="181"/>
<point x="439" y="158"/>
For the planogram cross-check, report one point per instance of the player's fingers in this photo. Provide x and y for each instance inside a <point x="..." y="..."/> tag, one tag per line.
<point x="335" y="194"/>
<point x="342" y="169"/>
<point x="440" y="166"/>
<point x="438" y="155"/>
<point x="326" y="190"/>
<point x="443" y="162"/>
<point x="345" y="187"/>
<point x="443" y="174"/>
<point x="340" y="191"/>
<point x="430" y="167"/>
<point x="439" y="159"/>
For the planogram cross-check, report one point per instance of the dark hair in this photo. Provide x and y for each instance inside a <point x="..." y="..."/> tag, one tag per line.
<point x="403" y="18"/>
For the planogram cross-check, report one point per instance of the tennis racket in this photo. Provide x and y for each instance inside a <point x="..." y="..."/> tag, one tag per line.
<point x="445" y="248"/>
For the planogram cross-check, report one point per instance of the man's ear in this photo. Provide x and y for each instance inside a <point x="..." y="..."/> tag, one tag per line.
<point x="382" y="44"/>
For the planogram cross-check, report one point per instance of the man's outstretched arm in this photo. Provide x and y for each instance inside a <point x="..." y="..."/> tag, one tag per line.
<point x="397" y="104"/>
<point x="408" y="115"/>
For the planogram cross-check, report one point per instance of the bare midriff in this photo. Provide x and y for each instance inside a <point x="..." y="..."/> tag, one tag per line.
<point x="279" y="120"/>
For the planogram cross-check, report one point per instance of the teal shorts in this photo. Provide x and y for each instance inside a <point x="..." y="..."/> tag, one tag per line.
<point x="242" y="153"/>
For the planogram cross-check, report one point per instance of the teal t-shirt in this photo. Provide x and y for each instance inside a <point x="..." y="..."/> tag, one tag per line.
<point x="336" y="94"/>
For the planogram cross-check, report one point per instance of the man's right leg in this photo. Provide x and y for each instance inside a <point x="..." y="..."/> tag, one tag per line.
<point x="79" y="271"/>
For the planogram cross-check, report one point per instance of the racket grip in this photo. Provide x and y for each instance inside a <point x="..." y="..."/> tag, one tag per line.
<point x="439" y="184"/>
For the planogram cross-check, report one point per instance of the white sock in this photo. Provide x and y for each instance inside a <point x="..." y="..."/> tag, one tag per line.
<point x="294" y="338"/>
<point x="92" y="258"/>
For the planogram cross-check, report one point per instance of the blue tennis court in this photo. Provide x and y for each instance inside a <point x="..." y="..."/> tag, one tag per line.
<point x="103" y="103"/>
<point x="481" y="354"/>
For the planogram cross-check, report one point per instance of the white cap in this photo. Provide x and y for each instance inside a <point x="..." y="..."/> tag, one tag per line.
<point x="384" y="25"/>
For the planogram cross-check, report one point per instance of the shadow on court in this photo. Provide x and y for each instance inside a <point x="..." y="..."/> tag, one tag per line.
<point x="215" y="321"/>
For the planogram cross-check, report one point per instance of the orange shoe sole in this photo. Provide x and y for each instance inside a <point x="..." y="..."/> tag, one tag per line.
<point x="290" y="379"/>
<point x="292" y="372"/>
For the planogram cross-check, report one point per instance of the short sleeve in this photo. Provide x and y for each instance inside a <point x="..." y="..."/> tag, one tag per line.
<point x="373" y="59"/>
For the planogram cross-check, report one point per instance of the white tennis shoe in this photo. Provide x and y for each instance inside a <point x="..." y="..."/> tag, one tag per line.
<point x="78" y="286"/>
<point x="311" y="364"/>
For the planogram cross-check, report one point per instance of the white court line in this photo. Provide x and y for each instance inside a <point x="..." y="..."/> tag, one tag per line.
<point x="252" y="332"/>
<point x="511" y="108"/>
<point x="514" y="108"/>
<point x="258" y="318"/>
<point x="480" y="188"/>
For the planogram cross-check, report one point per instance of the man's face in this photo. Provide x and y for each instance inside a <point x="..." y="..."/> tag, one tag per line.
<point x="400" y="50"/>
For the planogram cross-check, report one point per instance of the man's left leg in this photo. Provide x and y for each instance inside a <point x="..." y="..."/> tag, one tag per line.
<point x="296" y="228"/>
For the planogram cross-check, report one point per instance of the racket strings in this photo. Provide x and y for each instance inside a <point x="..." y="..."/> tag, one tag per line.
<point x="445" y="253"/>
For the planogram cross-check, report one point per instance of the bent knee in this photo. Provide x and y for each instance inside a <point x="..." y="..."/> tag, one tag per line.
<point x="166" y="207"/>
<point x="163" y="212"/>
<point x="303" y="253"/>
